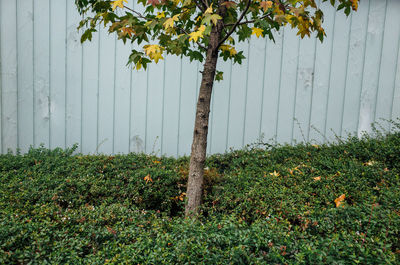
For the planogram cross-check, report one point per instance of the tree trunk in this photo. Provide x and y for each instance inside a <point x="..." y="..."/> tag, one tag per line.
<point x="199" y="146"/>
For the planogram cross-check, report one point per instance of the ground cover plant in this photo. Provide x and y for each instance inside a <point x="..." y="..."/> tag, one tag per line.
<point x="267" y="204"/>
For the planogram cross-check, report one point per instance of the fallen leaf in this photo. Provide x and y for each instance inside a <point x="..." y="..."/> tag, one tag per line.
<point x="317" y="178"/>
<point x="148" y="178"/>
<point x="339" y="200"/>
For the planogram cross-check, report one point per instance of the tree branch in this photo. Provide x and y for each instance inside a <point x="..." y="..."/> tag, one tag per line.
<point x="137" y="13"/>
<point x="251" y="21"/>
<point x="236" y="24"/>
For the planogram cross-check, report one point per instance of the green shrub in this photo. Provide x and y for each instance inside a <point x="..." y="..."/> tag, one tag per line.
<point x="262" y="205"/>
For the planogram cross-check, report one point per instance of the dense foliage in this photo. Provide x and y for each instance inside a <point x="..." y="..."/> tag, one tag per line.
<point x="183" y="27"/>
<point x="308" y="204"/>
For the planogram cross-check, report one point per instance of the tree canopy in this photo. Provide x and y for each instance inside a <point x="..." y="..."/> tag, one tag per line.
<point x="183" y="27"/>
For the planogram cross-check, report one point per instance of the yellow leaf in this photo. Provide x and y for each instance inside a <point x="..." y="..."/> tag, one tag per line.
<point x="257" y="31"/>
<point x="160" y="15"/>
<point x="138" y="65"/>
<point x="194" y="36"/>
<point x="354" y="4"/>
<point x="369" y="163"/>
<point x="214" y="18"/>
<point x="169" y="23"/>
<point x="315" y="145"/>
<point x="317" y="178"/>
<point x="154" y="51"/>
<point x="339" y="200"/>
<point x="118" y="3"/>
<point x="274" y="174"/>
<point x="148" y="178"/>
<point x="229" y="48"/>
<point x="209" y="10"/>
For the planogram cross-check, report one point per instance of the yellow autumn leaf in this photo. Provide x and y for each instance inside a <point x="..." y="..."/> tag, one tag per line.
<point x="369" y="163"/>
<point x="194" y="36"/>
<point x="160" y="14"/>
<point x="315" y="145"/>
<point x="257" y="31"/>
<point x="209" y="10"/>
<point x="214" y="18"/>
<point x="118" y="3"/>
<point x="354" y="4"/>
<point x="317" y="178"/>
<point x="154" y="51"/>
<point x="229" y="48"/>
<point x="339" y="200"/>
<point x="274" y="174"/>
<point x="169" y="23"/>
<point x="148" y="178"/>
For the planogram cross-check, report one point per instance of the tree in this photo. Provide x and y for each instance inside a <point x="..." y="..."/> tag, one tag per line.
<point x="201" y="30"/>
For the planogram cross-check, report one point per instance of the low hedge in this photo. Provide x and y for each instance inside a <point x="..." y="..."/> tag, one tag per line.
<point x="266" y="204"/>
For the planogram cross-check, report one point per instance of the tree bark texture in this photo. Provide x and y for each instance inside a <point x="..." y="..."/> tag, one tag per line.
<point x="199" y="146"/>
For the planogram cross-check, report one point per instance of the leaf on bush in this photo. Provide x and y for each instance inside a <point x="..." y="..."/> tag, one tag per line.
<point x="317" y="178"/>
<point x="148" y="178"/>
<point x="339" y="200"/>
<point x="274" y="174"/>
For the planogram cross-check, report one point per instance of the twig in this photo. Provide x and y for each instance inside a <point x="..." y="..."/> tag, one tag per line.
<point x="236" y="24"/>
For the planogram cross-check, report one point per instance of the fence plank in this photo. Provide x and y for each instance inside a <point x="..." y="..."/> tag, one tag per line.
<point x="355" y="68"/>
<point x="57" y="73"/>
<point x="321" y="78"/>
<point x="388" y="64"/>
<point x="73" y="79"/>
<point x="41" y="83"/>
<point x="373" y="56"/>
<point x="24" y="47"/>
<point x="122" y="99"/>
<point x="9" y="79"/>
<point x="90" y="86"/>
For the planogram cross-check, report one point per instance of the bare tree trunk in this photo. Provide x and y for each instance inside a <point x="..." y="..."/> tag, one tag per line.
<point x="199" y="146"/>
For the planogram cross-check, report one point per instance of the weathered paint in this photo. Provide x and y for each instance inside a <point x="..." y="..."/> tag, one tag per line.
<point x="57" y="92"/>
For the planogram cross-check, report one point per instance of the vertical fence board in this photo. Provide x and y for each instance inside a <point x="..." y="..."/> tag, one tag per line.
<point x="41" y="84"/>
<point x="90" y="77"/>
<point x="272" y="76"/>
<point x="219" y="122"/>
<point x="237" y="102"/>
<point x="190" y="83"/>
<point x="24" y="47"/>
<point x="57" y="73"/>
<point x="388" y="63"/>
<point x="287" y="89"/>
<point x="122" y="101"/>
<point x="321" y="78"/>
<point x="9" y="92"/>
<point x="155" y="107"/>
<point x="73" y="78"/>
<point x="395" y="112"/>
<point x="254" y="90"/>
<point x="355" y="68"/>
<point x="373" y="56"/>
<point x="305" y="74"/>
<point x="106" y="93"/>
<point x="138" y="111"/>
<point x="170" y="113"/>
<point x="337" y="80"/>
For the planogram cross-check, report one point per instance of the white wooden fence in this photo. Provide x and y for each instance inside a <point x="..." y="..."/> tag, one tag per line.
<point x="57" y="92"/>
